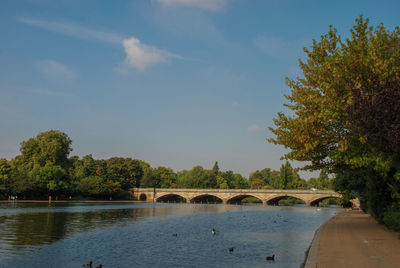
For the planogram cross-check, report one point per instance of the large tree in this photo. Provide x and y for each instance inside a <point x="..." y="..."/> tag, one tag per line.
<point x="44" y="159"/>
<point x="346" y="111"/>
<point x="127" y="171"/>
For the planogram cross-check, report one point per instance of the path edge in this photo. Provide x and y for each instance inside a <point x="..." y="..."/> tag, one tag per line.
<point x="312" y="256"/>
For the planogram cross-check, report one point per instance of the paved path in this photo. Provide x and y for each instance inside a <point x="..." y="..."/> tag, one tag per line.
<point x="354" y="239"/>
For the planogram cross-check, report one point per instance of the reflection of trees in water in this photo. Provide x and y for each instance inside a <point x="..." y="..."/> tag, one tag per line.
<point x="44" y="228"/>
<point x="25" y="229"/>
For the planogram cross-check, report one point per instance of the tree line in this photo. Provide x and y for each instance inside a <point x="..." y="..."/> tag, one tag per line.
<point x="44" y="168"/>
<point x="345" y="115"/>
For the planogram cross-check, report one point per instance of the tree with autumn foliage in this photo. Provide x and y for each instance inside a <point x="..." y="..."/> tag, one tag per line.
<point x="346" y="115"/>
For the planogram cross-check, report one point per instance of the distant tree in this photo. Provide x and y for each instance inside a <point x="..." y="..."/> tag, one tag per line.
<point x="298" y="184"/>
<point x="275" y="179"/>
<point x="47" y="147"/>
<point x="5" y="169"/>
<point x="216" y="168"/>
<point x="197" y="177"/>
<point x="5" y="173"/>
<point x="287" y="176"/>
<point x="128" y="172"/>
<point x="94" y="186"/>
<point x="222" y="183"/>
<point x="165" y="177"/>
<point x="314" y="183"/>
<point x="148" y="179"/>
<point x="22" y="186"/>
<point x="45" y="160"/>
<point x="239" y="182"/>
<point x="260" y="178"/>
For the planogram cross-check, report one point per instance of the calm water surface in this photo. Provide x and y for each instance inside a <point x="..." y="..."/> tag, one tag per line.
<point x="140" y="235"/>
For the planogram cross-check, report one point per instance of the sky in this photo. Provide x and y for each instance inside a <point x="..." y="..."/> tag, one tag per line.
<point x="176" y="83"/>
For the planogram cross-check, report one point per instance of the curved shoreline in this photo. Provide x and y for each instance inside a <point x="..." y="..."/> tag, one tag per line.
<point x="312" y="252"/>
<point x="353" y="238"/>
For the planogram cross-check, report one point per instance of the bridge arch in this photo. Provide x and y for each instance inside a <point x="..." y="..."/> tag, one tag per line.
<point x="238" y="198"/>
<point x="206" y="198"/>
<point x="174" y="198"/>
<point x="274" y="200"/>
<point x="316" y="201"/>
<point x="143" y="197"/>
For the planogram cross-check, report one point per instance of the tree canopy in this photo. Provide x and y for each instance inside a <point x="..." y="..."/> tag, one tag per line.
<point x="45" y="168"/>
<point x="345" y="112"/>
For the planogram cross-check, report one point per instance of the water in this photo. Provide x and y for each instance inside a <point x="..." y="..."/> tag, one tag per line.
<point x="141" y="235"/>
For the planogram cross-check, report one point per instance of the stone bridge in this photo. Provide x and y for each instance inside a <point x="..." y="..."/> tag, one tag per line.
<point x="232" y="196"/>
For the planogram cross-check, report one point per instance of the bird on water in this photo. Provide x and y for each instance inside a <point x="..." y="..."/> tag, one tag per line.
<point x="270" y="258"/>
<point x="231" y="249"/>
<point x="214" y="232"/>
<point x="88" y="264"/>
<point x="100" y="266"/>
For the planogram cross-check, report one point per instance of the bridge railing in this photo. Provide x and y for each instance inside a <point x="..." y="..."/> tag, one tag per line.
<point x="182" y="190"/>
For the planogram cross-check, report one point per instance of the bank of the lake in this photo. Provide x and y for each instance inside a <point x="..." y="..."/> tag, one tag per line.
<point x="354" y="239"/>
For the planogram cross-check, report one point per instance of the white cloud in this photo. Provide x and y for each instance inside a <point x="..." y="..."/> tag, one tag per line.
<point x="254" y="128"/>
<point x="55" y="70"/>
<point x="141" y="56"/>
<point x="202" y="4"/>
<point x="138" y="55"/>
<point x="74" y="30"/>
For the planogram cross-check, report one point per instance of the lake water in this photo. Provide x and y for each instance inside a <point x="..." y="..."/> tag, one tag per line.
<point x="141" y="235"/>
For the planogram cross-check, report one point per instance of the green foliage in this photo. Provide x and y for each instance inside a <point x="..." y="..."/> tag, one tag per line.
<point x="290" y="201"/>
<point x="22" y="186"/>
<point x="287" y="176"/>
<point x="238" y="182"/>
<point x="260" y="178"/>
<point x="216" y="168"/>
<point x="222" y="183"/>
<point x="127" y="171"/>
<point x="5" y="169"/>
<point x="37" y="173"/>
<point x="198" y="177"/>
<point x="48" y="147"/>
<point x="147" y="178"/>
<point x="251" y="199"/>
<point x="329" y="201"/>
<point x="298" y="184"/>
<point x="346" y="114"/>
<point x="391" y="217"/>
<point x="164" y="177"/>
<point x="94" y="186"/>
<point x="50" y="177"/>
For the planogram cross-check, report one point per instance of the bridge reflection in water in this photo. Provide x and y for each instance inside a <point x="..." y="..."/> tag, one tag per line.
<point x="232" y="196"/>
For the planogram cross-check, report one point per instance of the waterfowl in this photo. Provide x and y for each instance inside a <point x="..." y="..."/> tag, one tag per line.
<point x="100" y="266"/>
<point x="175" y="234"/>
<point x="88" y="264"/>
<point x="270" y="258"/>
<point x="231" y="249"/>
<point x="214" y="232"/>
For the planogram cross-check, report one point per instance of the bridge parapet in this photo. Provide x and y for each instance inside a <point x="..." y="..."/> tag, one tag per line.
<point x="265" y="195"/>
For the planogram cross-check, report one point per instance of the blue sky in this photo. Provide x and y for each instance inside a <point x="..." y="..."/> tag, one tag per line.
<point x="175" y="83"/>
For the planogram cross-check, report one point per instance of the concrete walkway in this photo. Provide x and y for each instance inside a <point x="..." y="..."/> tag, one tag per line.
<point x="354" y="239"/>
